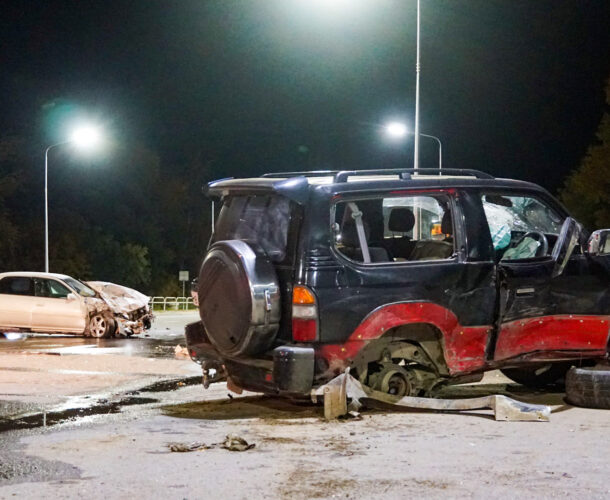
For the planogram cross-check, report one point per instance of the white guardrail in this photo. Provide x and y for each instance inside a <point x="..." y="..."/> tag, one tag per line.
<point x="172" y="303"/>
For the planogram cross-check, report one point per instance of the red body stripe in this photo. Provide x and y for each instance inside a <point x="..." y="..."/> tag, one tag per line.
<point x="464" y="346"/>
<point x="553" y="333"/>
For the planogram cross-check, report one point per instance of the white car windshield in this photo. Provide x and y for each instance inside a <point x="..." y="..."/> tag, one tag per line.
<point x="82" y="289"/>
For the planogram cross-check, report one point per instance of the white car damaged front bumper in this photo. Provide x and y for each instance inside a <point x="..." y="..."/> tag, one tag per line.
<point x="130" y="308"/>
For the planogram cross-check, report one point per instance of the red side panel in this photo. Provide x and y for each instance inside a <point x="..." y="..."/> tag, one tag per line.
<point x="553" y="333"/>
<point x="464" y="346"/>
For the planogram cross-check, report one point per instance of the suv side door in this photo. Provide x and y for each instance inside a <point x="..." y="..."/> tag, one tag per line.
<point x="540" y="315"/>
<point x="57" y="308"/>
<point x="16" y="301"/>
<point x="443" y="286"/>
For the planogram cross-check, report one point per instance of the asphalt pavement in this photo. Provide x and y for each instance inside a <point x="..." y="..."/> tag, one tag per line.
<point x="105" y="417"/>
<point x="50" y="372"/>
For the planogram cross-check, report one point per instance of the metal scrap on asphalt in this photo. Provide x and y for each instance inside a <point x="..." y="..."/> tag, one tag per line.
<point x="338" y="390"/>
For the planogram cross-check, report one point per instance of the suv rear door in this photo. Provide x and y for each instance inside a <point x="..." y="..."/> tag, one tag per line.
<point x="541" y="316"/>
<point x="409" y="268"/>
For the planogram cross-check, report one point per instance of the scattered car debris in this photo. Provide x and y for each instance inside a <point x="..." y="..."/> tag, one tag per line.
<point x="232" y="442"/>
<point x="185" y="447"/>
<point x="345" y="386"/>
<point x="235" y="443"/>
<point x="181" y="352"/>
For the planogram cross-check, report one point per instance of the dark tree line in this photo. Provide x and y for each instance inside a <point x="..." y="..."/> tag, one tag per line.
<point x="133" y="218"/>
<point x="125" y="218"/>
<point x="587" y="190"/>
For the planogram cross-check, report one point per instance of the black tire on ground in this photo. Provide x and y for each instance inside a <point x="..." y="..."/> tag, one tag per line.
<point x="589" y="387"/>
<point x="539" y="376"/>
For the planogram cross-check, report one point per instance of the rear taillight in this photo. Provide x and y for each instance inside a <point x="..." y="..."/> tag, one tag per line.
<point x="304" y="315"/>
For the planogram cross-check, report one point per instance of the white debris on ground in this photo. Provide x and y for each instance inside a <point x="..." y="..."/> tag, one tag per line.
<point x="181" y="352"/>
<point x="232" y="442"/>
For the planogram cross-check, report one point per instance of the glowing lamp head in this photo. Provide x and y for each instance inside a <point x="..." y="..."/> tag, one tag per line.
<point x="396" y="130"/>
<point x="86" y="137"/>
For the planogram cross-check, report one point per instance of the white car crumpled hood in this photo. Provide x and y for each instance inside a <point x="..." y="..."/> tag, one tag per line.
<point x="121" y="299"/>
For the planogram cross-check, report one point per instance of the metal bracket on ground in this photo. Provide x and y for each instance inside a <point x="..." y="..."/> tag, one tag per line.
<point x="345" y="386"/>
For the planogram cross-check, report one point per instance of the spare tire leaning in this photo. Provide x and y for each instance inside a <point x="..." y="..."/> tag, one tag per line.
<point x="239" y="298"/>
<point x="589" y="387"/>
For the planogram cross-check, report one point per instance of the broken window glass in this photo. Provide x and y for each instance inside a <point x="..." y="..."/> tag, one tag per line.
<point x="258" y="220"/>
<point x="510" y="218"/>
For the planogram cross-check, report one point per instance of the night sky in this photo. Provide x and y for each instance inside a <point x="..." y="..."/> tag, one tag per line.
<point x="513" y="87"/>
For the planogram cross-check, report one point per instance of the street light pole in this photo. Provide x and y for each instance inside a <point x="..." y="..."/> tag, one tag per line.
<point x="440" y="150"/>
<point x="46" y="204"/>
<point x="417" y="70"/>
<point x="84" y="137"/>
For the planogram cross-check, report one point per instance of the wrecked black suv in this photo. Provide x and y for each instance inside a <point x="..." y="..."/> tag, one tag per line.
<point x="409" y="278"/>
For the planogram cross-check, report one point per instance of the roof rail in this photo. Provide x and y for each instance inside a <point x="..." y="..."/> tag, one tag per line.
<point x="407" y="173"/>
<point x="312" y="173"/>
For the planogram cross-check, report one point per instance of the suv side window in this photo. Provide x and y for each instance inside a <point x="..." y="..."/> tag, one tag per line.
<point x="51" y="289"/>
<point x="17" y="285"/>
<point x="521" y="227"/>
<point x="395" y="228"/>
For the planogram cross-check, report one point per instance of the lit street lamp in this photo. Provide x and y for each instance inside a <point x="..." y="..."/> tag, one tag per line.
<point x="83" y="138"/>
<point x="398" y="130"/>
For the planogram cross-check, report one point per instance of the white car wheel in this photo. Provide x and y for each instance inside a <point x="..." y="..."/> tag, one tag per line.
<point x="99" y="327"/>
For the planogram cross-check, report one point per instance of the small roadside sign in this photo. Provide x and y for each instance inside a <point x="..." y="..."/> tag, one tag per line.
<point x="183" y="275"/>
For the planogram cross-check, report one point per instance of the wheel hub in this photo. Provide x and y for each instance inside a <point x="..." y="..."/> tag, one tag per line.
<point x="394" y="380"/>
<point x="98" y="326"/>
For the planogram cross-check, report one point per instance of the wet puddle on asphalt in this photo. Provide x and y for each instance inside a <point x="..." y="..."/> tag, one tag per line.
<point x="67" y="344"/>
<point x="99" y="407"/>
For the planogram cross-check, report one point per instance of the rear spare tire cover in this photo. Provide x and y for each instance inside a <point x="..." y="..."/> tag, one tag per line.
<point x="239" y="298"/>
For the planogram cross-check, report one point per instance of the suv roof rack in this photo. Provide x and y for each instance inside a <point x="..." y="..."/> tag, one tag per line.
<point x="313" y="173"/>
<point x="407" y="173"/>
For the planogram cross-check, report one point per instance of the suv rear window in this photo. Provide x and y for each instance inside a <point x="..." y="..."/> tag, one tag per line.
<point x="258" y="220"/>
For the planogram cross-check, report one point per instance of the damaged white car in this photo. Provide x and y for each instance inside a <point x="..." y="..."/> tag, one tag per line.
<point x="56" y="303"/>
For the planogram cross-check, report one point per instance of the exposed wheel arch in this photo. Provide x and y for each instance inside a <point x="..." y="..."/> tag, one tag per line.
<point x="420" y="340"/>
<point x="414" y="351"/>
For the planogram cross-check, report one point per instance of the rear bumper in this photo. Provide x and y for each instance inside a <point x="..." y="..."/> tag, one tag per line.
<point x="286" y="370"/>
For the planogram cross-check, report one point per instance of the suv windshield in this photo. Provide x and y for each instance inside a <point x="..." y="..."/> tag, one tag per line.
<point x="82" y="289"/>
<point x="258" y="220"/>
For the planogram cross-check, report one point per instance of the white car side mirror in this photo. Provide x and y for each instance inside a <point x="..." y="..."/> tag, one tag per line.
<point x="71" y="297"/>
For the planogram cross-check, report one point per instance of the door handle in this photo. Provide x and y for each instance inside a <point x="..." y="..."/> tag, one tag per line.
<point x="39" y="305"/>
<point x="522" y="292"/>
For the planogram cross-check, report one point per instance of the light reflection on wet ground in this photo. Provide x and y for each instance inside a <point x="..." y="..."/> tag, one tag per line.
<point x="159" y="342"/>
